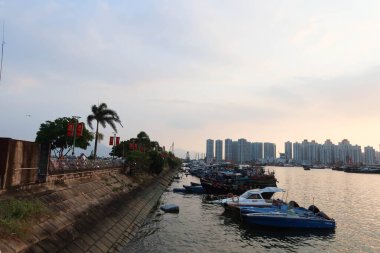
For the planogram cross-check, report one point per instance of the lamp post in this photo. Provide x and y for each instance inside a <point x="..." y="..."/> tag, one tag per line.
<point x="114" y="145"/>
<point x="75" y="131"/>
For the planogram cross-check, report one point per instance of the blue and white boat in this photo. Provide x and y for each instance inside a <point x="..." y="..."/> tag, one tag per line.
<point x="255" y="197"/>
<point x="285" y="217"/>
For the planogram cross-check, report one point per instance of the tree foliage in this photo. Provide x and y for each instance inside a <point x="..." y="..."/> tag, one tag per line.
<point x="103" y="116"/>
<point x="144" y="154"/>
<point x="55" y="134"/>
<point x="173" y="161"/>
<point x="156" y="162"/>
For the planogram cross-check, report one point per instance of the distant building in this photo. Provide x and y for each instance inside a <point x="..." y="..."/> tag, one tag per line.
<point x="218" y="150"/>
<point x="297" y="152"/>
<point x="242" y="150"/>
<point x="369" y="155"/>
<point x="269" y="151"/>
<point x="235" y="151"/>
<point x="228" y="150"/>
<point x="288" y="150"/>
<point x="327" y="153"/>
<point x="348" y="154"/>
<point x="209" y="150"/>
<point x="257" y="151"/>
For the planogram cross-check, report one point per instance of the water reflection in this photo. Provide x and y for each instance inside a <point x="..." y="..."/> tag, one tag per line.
<point x="200" y="227"/>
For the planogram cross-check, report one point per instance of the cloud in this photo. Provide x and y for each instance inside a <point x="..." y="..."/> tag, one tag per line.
<point x="189" y="70"/>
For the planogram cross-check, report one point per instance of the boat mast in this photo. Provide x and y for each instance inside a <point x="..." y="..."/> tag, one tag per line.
<point x="2" y="53"/>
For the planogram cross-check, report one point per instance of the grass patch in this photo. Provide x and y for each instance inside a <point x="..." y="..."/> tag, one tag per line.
<point x="17" y="216"/>
<point x="116" y="189"/>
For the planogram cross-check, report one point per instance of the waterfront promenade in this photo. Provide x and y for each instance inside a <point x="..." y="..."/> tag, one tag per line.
<point x="99" y="214"/>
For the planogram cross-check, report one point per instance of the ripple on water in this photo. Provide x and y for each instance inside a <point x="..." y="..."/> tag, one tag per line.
<point x="199" y="227"/>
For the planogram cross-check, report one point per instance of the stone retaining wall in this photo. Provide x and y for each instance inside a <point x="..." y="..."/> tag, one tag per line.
<point x="99" y="215"/>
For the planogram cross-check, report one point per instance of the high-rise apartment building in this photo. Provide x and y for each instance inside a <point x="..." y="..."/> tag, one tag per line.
<point x="235" y="151"/>
<point x="209" y="150"/>
<point x="327" y="153"/>
<point x="218" y="150"/>
<point x="297" y="152"/>
<point x="288" y="150"/>
<point x="257" y="151"/>
<point x="369" y="155"/>
<point x="269" y="151"/>
<point x="347" y="153"/>
<point x="313" y="152"/>
<point x="242" y="150"/>
<point x="228" y="150"/>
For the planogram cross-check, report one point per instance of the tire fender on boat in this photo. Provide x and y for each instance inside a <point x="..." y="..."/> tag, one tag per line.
<point x="323" y="215"/>
<point x="293" y="204"/>
<point x="314" y="209"/>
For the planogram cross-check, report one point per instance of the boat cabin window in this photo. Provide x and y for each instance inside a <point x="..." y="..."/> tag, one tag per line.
<point x="254" y="196"/>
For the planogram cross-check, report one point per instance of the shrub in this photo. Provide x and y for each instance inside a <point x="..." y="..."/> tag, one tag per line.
<point x="18" y="215"/>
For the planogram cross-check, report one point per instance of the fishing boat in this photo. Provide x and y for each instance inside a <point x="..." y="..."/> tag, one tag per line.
<point x="286" y="217"/>
<point x="237" y="181"/>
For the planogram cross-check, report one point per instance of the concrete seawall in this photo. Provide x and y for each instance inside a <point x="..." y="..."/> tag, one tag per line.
<point x="100" y="214"/>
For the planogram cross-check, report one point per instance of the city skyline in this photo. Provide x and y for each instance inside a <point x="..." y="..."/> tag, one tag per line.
<point x="185" y="71"/>
<point x="305" y="152"/>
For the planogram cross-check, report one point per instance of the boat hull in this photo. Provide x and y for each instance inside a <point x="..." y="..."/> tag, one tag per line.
<point x="282" y="220"/>
<point x="212" y="187"/>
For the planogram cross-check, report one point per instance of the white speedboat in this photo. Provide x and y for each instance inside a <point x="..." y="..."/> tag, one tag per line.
<point x="255" y="197"/>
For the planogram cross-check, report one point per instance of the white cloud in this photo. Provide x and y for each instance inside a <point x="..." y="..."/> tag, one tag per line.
<point x="187" y="70"/>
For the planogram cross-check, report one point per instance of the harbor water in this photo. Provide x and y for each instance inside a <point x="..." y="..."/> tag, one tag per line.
<point x="353" y="200"/>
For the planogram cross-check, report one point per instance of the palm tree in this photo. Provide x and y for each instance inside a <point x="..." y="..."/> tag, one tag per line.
<point x="103" y="116"/>
<point x="143" y="139"/>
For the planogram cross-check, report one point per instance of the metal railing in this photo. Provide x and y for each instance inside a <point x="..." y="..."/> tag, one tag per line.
<point x="66" y="165"/>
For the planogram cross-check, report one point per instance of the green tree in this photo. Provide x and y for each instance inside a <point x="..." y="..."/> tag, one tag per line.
<point x="143" y="140"/>
<point x="173" y="161"/>
<point x="55" y="134"/>
<point x="138" y="160"/>
<point x="103" y="116"/>
<point x="156" y="162"/>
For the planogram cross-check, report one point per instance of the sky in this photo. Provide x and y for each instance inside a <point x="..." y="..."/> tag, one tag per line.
<point x="185" y="71"/>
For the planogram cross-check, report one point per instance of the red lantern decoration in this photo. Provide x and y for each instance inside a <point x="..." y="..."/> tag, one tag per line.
<point x="79" y="130"/>
<point x="70" y="129"/>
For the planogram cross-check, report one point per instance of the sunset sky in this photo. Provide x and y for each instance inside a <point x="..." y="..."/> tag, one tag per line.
<point x="186" y="71"/>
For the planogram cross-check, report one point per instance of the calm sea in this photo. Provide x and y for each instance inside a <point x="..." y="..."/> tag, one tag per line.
<point x="353" y="200"/>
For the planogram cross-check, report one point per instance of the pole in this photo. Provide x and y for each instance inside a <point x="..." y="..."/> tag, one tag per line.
<point x="114" y="146"/>
<point x="75" y="131"/>
<point x="2" y="53"/>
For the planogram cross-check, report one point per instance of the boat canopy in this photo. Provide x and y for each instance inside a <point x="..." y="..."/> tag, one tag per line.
<point x="268" y="189"/>
<point x="257" y="193"/>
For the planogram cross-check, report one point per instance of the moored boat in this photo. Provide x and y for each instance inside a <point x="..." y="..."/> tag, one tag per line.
<point x="237" y="181"/>
<point x="254" y="197"/>
<point x="289" y="218"/>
